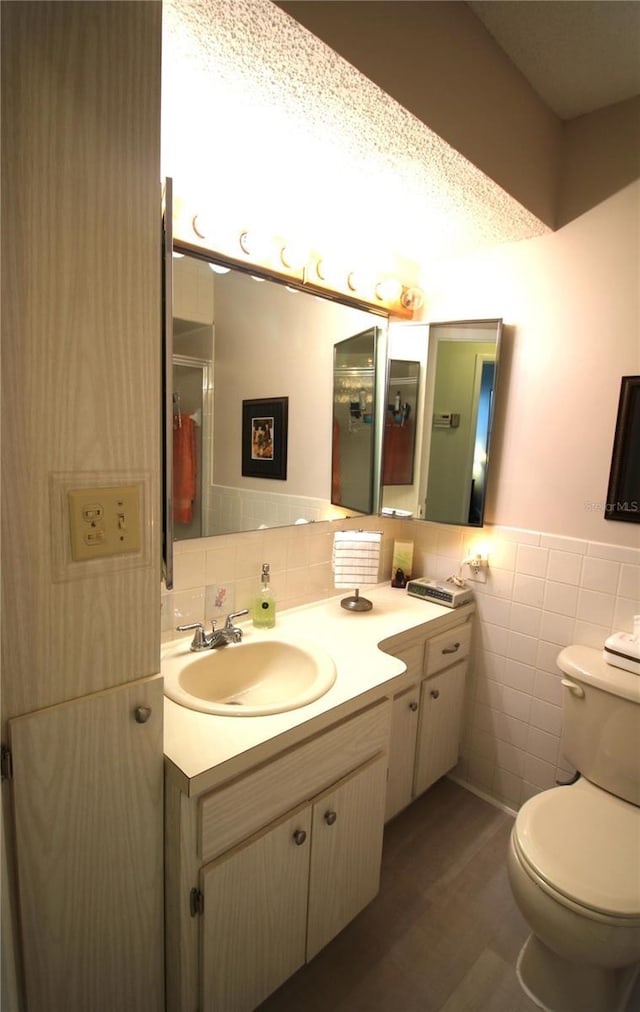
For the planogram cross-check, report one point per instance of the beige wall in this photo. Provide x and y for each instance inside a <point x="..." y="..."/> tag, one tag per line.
<point x="570" y="305"/>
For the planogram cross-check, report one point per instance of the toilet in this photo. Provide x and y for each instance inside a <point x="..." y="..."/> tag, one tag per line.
<point x="574" y="853"/>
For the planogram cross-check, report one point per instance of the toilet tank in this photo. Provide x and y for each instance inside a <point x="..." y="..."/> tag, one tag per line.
<point x="601" y="721"/>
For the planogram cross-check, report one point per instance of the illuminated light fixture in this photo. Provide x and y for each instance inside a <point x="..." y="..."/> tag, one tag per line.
<point x="412" y="298"/>
<point x="219" y="269"/>
<point x="177" y="256"/>
<point x="201" y="226"/>
<point x="294" y="256"/>
<point x="256" y="246"/>
<point x="294" y="291"/>
<point x="354" y="281"/>
<point x="254" y="277"/>
<point x="388" y="290"/>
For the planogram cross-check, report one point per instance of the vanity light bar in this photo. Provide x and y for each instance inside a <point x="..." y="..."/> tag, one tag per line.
<point x="290" y="258"/>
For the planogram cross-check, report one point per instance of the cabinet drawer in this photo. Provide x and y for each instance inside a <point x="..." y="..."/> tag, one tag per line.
<point x="447" y="648"/>
<point x="247" y="804"/>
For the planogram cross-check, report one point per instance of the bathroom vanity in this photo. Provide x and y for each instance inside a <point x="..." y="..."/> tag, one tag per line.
<point x="274" y="824"/>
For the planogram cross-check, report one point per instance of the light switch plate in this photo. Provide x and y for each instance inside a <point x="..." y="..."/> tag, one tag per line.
<point x="104" y="521"/>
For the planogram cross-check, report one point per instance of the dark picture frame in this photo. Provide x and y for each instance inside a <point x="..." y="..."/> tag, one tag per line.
<point x="623" y="494"/>
<point x="265" y="423"/>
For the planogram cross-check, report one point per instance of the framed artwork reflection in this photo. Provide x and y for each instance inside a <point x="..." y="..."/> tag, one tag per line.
<point x="264" y="437"/>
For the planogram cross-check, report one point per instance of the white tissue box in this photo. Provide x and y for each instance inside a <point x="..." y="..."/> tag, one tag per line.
<point x="623" y="651"/>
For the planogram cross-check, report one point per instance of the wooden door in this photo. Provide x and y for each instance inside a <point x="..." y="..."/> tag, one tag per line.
<point x="402" y="751"/>
<point x="441" y="708"/>
<point x="87" y="787"/>
<point x="347" y="827"/>
<point x="255" y="908"/>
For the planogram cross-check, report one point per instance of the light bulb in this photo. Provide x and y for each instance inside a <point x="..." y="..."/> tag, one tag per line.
<point x="294" y="256"/>
<point x="388" y="290"/>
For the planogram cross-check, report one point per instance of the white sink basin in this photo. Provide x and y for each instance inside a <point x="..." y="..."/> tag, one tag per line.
<point x="249" y="679"/>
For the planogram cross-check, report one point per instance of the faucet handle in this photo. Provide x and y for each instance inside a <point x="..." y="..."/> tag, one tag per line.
<point x="199" y="641"/>
<point x="235" y="614"/>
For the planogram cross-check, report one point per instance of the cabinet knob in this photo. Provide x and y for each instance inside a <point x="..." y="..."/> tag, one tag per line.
<point x="413" y="705"/>
<point x="451" y="650"/>
<point x="142" y="714"/>
<point x="434" y="693"/>
<point x="299" y="837"/>
<point x="330" y="818"/>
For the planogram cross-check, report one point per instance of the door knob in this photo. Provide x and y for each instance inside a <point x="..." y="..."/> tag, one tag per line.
<point x="330" y="818"/>
<point x="413" y="706"/>
<point x="435" y="693"/>
<point x="299" y="837"/>
<point x="142" y="714"/>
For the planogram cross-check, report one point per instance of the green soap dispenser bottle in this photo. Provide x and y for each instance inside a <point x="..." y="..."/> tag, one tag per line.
<point x="264" y="603"/>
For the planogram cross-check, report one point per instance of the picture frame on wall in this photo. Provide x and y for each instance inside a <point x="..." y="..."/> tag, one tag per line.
<point x="623" y="493"/>
<point x="265" y="423"/>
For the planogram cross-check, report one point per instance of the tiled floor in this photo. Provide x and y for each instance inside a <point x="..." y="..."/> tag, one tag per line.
<point x="443" y="934"/>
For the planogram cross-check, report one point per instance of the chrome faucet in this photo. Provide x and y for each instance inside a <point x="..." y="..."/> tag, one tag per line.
<point x="217" y="637"/>
<point x="229" y="633"/>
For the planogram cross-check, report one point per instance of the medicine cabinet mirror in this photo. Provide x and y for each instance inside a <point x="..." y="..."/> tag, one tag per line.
<point x="240" y="336"/>
<point x="354" y="483"/>
<point x="454" y="418"/>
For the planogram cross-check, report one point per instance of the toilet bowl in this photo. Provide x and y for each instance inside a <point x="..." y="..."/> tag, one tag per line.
<point x="574" y="870"/>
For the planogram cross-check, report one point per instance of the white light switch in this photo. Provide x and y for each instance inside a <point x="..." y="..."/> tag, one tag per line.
<point x="104" y="521"/>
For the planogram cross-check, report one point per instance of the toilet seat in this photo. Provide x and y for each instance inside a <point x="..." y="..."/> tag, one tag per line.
<point x="582" y="845"/>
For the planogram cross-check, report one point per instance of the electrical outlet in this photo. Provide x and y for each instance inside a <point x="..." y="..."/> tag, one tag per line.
<point x="104" y="521"/>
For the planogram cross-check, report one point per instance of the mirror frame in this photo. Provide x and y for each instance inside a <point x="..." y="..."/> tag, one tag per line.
<point x="498" y="324"/>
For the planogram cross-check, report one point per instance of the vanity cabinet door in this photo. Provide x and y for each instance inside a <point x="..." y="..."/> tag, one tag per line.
<point x="402" y="750"/>
<point x="347" y="828"/>
<point x="255" y="911"/>
<point x="441" y="709"/>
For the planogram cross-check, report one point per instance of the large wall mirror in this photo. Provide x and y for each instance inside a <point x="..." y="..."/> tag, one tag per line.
<point x="244" y="343"/>
<point x="454" y="416"/>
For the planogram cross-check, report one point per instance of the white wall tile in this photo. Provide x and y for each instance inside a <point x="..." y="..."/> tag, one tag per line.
<point x="528" y="590"/>
<point x="595" y="608"/>
<point x="565" y="567"/>
<point x="531" y="561"/>
<point x="525" y="619"/>
<point x="546" y="717"/>
<point x="516" y="704"/>
<point x="561" y="598"/>
<point x="547" y="655"/>
<point x="629" y="584"/>
<point x="539" y="773"/>
<point x="600" y="574"/>
<point x="522" y="648"/>
<point x="557" y="628"/>
<point x="624" y="613"/>
<point x="575" y="546"/>
<point x="543" y="745"/>
<point x="519" y="676"/>
<point x="548" y="687"/>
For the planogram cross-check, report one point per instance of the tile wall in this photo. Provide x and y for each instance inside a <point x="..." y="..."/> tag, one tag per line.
<point x="543" y="592"/>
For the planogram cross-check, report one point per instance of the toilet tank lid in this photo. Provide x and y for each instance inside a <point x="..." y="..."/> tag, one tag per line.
<point x="584" y="664"/>
<point x="586" y="844"/>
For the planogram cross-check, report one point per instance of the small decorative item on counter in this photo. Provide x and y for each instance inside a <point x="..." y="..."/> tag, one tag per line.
<point x="402" y="563"/>
<point x="263" y="609"/>
<point x="399" y="579"/>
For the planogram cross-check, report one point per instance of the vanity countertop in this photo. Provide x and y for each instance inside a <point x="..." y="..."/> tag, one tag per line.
<point x="203" y="750"/>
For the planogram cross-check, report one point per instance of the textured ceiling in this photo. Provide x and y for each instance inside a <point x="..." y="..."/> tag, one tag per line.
<point x="578" y="55"/>
<point x="260" y="112"/>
